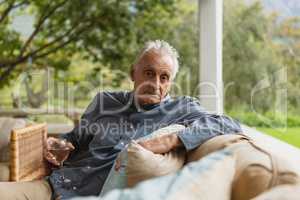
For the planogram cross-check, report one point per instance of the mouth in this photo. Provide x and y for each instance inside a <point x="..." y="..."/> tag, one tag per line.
<point x="150" y="95"/>
<point x="148" y="98"/>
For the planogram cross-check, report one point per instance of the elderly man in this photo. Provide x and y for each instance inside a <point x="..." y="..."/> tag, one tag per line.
<point x="113" y="119"/>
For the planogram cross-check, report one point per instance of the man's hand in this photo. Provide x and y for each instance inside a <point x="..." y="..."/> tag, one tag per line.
<point x="162" y="144"/>
<point x="57" y="150"/>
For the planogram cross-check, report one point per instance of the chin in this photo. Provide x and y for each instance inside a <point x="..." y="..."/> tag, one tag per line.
<point x="149" y="100"/>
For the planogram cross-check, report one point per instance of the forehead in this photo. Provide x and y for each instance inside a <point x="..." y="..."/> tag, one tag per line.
<point x="156" y="59"/>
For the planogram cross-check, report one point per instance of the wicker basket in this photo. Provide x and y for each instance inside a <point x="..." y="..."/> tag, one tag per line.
<point x="26" y="154"/>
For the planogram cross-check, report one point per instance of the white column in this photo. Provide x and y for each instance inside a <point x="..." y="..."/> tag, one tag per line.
<point x="210" y="50"/>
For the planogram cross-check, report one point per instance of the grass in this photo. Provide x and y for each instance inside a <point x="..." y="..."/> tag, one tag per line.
<point x="289" y="135"/>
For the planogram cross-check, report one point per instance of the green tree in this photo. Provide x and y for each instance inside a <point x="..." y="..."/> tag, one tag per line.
<point x="107" y="30"/>
<point x="287" y="37"/>
<point x="107" y="47"/>
<point x="249" y="56"/>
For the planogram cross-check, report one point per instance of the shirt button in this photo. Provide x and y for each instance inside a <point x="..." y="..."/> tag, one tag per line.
<point x="67" y="181"/>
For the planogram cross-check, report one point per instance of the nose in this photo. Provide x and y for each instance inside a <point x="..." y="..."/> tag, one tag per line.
<point x="156" y="82"/>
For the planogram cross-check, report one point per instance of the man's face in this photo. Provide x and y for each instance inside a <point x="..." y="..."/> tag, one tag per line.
<point x="152" y="77"/>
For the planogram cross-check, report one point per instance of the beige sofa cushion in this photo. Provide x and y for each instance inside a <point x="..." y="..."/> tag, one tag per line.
<point x="207" y="179"/>
<point x="4" y="171"/>
<point x="142" y="164"/>
<point x="283" y="192"/>
<point x="6" y="125"/>
<point x="257" y="170"/>
<point x="138" y="164"/>
<point x="275" y="146"/>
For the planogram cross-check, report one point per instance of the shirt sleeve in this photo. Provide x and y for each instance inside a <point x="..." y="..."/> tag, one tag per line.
<point x="205" y="126"/>
<point x="80" y="136"/>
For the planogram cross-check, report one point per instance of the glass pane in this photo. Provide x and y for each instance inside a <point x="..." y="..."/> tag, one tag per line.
<point x="261" y="65"/>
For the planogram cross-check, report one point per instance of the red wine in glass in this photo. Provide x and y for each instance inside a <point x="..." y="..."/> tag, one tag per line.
<point x="60" y="151"/>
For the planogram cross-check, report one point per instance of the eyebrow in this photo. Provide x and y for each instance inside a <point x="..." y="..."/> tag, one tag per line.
<point x="150" y="67"/>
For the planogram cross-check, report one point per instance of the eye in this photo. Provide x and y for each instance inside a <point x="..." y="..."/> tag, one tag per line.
<point x="149" y="73"/>
<point x="164" y="77"/>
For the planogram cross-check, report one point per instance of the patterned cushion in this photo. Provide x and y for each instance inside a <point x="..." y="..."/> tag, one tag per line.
<point x="201" y="180"/>
<point x="139" y="164"/>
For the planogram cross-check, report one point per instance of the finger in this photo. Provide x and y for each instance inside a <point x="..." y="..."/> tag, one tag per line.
<point x="54" y="162"/>
<point x="70" y="145"/>
<point x="118" y="164"/>
<point x="147" y="145"/>
<point x="50" y="142"/>
<point x="135" y="142"/>
<point x="51" y="158"/>
<point x="143" y="144"/>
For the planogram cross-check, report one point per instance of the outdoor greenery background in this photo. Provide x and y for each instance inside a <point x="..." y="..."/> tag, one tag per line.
<point x="77" y="45"/>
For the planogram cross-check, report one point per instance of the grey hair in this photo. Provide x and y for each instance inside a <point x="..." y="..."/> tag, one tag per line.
<point x="162" y="46"/>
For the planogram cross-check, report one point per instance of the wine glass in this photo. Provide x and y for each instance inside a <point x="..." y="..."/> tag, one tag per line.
<point x="60" y="150"/>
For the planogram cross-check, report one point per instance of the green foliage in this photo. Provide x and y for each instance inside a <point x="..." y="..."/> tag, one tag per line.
<point x="267" y="119"/>
<point x="185" y="40"/>
<point x="104" y="31"/>
<point x="289" y="135"/>
<point x="103" y="37"/>
<point x="249" y="56"/>
<point x="256" y="47"/>
<point x="85" y="40"/>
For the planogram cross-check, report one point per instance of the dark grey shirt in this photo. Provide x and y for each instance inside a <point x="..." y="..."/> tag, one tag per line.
<point x="112" y="120"/>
